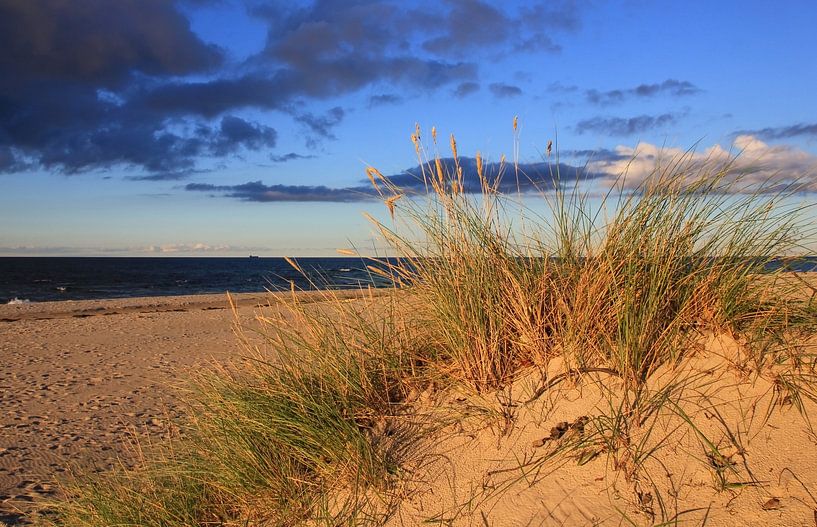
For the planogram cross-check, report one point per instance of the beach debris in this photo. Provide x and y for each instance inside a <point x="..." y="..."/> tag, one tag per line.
<point x="772" y="505"/>
<point x="719" y="461"/>
<point x="644" y="499"/>
<point x="540" y="442"/>
<point x="561" y="428"/>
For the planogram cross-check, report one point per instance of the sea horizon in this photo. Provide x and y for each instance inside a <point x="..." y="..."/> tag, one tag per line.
<point x="25" y="279"/>
<point x="29" y="279"/>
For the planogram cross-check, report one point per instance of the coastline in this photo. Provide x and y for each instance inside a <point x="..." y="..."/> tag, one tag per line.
<point x="151" y="304"/>
<point x="81" y="380"/>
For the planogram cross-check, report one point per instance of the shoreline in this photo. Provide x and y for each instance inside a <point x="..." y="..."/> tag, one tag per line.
<point x="50" y="310"/>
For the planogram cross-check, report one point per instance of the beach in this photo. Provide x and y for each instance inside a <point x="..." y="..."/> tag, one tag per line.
<point x="79" y="381"/>
<point x="83" y="382"/>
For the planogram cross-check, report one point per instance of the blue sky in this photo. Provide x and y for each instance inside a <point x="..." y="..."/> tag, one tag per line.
<point x="224" y="127"/>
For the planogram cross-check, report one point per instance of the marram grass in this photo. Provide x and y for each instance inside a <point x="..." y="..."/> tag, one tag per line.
<point x="318" y="427"/>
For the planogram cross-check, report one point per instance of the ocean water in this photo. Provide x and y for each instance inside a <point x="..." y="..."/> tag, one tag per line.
<point x="30" y="279"/>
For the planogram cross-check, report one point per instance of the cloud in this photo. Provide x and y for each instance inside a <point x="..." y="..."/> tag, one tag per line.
<point x="531" y="177"/>
<point x="292" y="156"/>
<point x="140" y="90"/>
<point x="504" y="91"/>
<point x="525" y="177"/>
<point x="558" y="87"/>
<point x="599" y="154"/>
<point x="235" y="133"/>
<point x="186" y="248"/>
<point x="162" y="152"/>
<point x="466" y="88"/>
<point x="613" y="126"/>
<point x="322" y="125"/>
<point x="530" y="29"/>
<point x="163" y="176"/>
<point x="672" y="87"/>
<point x="783" y="132"/>
<point x="461" y="19"/>
<point x="71" y="104"/>
<point x="758" y="166"/>
<point x="258" y="191"/>
<point x="156" y="249"/>
<point x="11" y="160"/>
<point x="384" y="99"/>
<point x="98" y="42"/>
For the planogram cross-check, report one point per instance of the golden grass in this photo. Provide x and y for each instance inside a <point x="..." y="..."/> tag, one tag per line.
<point x="319" y="427"/>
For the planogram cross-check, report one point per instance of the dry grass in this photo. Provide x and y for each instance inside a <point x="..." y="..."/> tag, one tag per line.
<point x="319" y="426"/>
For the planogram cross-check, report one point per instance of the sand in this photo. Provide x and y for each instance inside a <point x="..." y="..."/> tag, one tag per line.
<point x="489" y="471"/>
<point x="80" y="380"/>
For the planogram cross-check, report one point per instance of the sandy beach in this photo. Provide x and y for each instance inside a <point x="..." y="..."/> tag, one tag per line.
<point x="79" y="380"/>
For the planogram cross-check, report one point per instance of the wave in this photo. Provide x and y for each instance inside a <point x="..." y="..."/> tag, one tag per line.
<point x="16" y="301"/>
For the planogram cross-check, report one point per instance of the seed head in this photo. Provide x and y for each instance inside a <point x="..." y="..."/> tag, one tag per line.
<point x="370" y="173"/>
<point x="479" y="164"/>
<point x="390" y="203"/>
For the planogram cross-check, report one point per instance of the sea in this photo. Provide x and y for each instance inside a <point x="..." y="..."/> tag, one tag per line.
<point x="43" y="279"/>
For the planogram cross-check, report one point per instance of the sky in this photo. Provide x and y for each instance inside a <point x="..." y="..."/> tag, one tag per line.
<point x="228" y="127"/>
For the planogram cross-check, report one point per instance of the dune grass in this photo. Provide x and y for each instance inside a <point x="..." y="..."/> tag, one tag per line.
<point x="313" y="432"/>
<point x="623" y="286"/>
<point x="318" y="426"/>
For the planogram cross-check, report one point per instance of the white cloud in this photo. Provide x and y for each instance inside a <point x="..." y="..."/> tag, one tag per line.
<point x="756" y="165"/>
<point x="189" y="248"/>
<point x="158" y="250"/>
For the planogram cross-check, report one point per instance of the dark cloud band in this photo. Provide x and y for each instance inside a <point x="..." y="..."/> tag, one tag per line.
<point x="671" y="87"/>
<point x="784" y="132"/>
<point x="623" y="126"/>
<point x="506" y="178"/>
